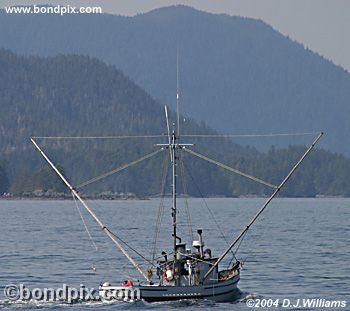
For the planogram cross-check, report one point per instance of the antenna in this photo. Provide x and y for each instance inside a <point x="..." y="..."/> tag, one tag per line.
<point x="177" y="94"/>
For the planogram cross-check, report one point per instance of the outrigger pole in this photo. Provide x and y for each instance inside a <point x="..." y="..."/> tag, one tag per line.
<point x="268" y="201"/>
<point x="104" y="228"/>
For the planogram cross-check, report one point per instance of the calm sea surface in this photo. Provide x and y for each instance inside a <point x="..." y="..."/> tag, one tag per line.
<point x="298" y="249"/>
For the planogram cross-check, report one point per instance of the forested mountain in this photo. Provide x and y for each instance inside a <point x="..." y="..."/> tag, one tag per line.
<point x="82" y="96"/>
<point x="237" y="74"/>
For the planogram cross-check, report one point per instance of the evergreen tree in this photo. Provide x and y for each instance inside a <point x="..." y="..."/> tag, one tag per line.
<point x="4" y="183"/>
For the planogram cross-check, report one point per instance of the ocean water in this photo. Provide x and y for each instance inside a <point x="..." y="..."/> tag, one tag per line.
<point x="298" y="249"/>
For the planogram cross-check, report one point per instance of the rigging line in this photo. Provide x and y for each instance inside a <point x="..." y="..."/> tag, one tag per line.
<point x="184" y="187"/>
<point x="250" y="135"/>
<point x="226" y="167"/>
<point x="236" y="250"/>
<point x="98" y="137"/>
<point x="266" y="204"/>
<point x="129" y="246"/>
<point x="162" y="257"/>
<point x="98" y="221"/>
<point x="117" y="170"/>
<point x="196" y="259"/>
<point x="211" y="213"/>
<point x="83" y="220"/>
<point x="240" y="242"/>
<point x="160" y="207"/>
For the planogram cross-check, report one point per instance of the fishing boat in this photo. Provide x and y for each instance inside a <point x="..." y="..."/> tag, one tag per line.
<point x="185" y="271"/>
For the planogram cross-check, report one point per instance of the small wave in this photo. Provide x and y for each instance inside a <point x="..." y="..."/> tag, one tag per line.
<point x="247" y="296"/>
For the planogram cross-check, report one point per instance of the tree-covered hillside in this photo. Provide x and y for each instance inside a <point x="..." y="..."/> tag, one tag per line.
<point x="82" y="96"/>
<point x="237" y="74"/>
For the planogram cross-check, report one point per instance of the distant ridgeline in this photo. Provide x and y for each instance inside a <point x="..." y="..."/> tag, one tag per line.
<point x="235" y="73"/>
<point x="82" y="96"/>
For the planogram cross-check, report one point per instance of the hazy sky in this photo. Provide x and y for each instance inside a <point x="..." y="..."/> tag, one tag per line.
<point x="321" y="25"/>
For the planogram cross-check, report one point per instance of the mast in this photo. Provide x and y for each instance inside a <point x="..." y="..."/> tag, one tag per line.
<point x="173" y="209"/>
<point x="172" y="145"/>
<point x="173" y="148"/>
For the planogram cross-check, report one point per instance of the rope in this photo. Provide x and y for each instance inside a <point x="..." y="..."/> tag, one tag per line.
<point x="211" y="213"/>
<point x="250" y="135"/>
<point x="117" y="170"/>
<point x="224" y="166"/>
<point x="129" y="246"/>
<point x="83" y="220"/>
<point x="235" y="252"/>
<point x="160" y="208"/>
<point x="184" y="187"/>
<point x="86" y="228"/>
<point x="97" y="137"/>
<point x="197" y="259"/>
<point x="111" y="232"/>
